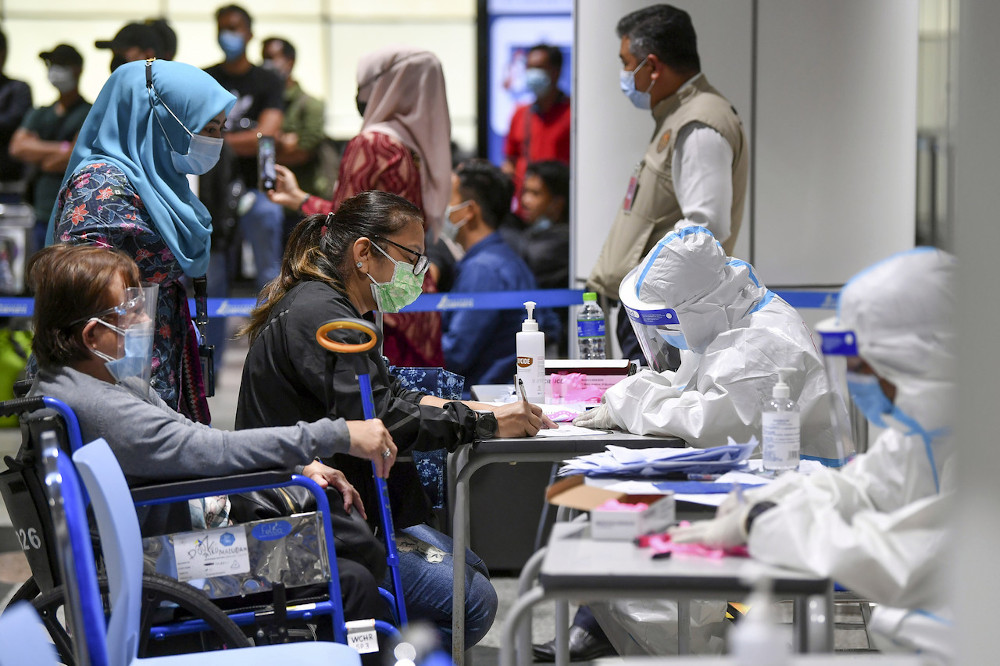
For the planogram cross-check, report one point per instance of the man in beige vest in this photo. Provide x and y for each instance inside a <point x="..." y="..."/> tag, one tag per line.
<point x="694" y="171"/>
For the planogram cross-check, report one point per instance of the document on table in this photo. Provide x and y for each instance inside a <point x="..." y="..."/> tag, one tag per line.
<point x="570" y="430"/>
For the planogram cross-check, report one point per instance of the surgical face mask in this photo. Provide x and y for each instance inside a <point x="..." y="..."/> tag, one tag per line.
<point x="537" y="80"/>
<point x="640" y="99"/>
<point x="271" y="66"/>
<point x="450" y="229"/>
<point x="868" y="395"/>
<point x="138" y="351"/>
<point x="232" y="44"/>
<point x="673" y="338"/>
<point x="62" y="78"/>
<point x="542" y="223"/>
<point x="203" y="151"/>
<point x="401" y="290"/>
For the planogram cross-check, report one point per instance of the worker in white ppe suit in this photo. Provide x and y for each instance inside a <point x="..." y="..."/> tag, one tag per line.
<point x="878" y="525"/>
<point x="733" y="333"/>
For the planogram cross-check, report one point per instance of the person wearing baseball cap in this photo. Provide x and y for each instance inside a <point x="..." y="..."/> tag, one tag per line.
<point x="136" y="41"/>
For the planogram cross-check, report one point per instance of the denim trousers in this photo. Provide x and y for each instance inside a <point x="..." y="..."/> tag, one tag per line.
<point x="426" y="567"/>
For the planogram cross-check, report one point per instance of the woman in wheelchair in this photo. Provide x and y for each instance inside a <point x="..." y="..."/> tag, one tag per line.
<point x="93" y="343"/>
<point x="369" y="256"/>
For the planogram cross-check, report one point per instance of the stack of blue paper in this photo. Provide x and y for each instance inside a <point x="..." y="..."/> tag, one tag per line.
<point x="620" y="461"/>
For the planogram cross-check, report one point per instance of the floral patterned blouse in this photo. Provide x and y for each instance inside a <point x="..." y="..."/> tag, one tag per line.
<point x="99" y="206"/>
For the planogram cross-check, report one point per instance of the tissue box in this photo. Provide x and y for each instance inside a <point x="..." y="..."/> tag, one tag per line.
<point x="613" y="525"/>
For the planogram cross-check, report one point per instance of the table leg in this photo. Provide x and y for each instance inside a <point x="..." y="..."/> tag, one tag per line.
<point x="562" y="632"/>
<point x="800" y="620"/>
<point x="460" y="540"/>
<point x="524" y="583"/>
<point x="831" y="619"/>
<point x="511" y="624"/>
<point x="683" y="626"/>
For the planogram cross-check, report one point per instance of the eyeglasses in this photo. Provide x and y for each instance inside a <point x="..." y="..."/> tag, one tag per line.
<point x="134" y="303"/>
<point x="421" y="263"/>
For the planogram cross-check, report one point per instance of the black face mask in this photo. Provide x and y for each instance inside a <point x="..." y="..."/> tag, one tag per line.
<point x="117" y="61"/>
<point x="361" y="105"/>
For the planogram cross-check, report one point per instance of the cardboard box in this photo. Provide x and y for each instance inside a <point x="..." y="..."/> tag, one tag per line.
<point x="620" y="525"/>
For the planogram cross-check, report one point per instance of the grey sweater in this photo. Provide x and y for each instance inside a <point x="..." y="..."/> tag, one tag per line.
<point x="154" y="443"/>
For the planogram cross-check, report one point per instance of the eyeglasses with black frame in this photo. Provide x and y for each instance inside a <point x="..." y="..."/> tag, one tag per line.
<point x="420" y="265"/>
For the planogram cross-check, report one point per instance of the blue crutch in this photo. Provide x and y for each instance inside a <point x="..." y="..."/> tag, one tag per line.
<point x="368" y="405"/>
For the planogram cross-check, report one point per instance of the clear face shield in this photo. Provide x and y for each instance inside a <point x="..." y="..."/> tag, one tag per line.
<point x="656" y="326"/>
<point x="839" y="344"/>
<point x="132" y="320"/>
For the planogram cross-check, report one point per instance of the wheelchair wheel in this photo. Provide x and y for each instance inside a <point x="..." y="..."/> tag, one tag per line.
<point x="163" y="599"/>
<point x="28" y="591"/>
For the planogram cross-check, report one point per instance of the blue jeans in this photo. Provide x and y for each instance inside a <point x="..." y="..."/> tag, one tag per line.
<point x="263" y="226"/>
<point x="427" y="584"/>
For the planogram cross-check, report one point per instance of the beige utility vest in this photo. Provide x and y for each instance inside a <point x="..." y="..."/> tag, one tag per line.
<point x="654" y="208"/>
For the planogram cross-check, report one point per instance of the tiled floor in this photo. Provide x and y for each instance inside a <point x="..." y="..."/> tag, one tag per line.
<point x="13" y="567"/>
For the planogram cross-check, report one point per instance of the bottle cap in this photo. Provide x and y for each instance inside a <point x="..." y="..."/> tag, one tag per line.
<point x="781" y="389"/>
<point x="529" y="325"/>
<point x="589" y="296"/>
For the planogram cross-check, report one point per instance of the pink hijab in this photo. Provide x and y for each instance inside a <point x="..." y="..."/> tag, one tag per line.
<point x="407" y="101"/>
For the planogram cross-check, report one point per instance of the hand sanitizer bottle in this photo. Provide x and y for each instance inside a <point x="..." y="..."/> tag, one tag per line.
<point x="780" y="432"/>
<point x="757" y="640"/>
<point x="530" y="344"/>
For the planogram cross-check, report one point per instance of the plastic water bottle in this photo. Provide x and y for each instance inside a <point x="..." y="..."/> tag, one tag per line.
<point x="590" y="328"/>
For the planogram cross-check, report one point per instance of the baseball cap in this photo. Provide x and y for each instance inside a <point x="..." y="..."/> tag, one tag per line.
<point x="133" y="34"/>
<point x="64" y="54"/>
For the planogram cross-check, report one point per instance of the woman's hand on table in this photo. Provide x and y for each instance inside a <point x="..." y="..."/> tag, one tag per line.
<point x="327" y="476"/>
<point x="371" y="440"/>
<point x="520" y="419"/>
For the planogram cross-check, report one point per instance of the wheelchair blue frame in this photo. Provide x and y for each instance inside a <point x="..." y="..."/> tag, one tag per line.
<point x="195" y="489"/>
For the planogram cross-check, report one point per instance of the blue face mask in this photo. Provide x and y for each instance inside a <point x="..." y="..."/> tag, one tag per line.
<point x="537" y="80"/>
<point x="203" y="151"/>
<point x="640" y="99"/>
<point x="232" y="44"/>
<point x="138" y="351"/>
<point x="674" y="339"/>
<point x="869" y="397"/>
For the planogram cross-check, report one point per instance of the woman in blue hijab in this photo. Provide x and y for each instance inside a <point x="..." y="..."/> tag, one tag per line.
<point x="126" y="187"/>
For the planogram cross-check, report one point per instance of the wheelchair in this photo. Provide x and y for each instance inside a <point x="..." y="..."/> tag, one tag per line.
<point x="176" y="617"/>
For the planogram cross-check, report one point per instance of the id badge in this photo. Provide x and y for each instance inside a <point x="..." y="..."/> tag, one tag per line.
<point x="206" y="354"/>
<point x="633" y="186"/>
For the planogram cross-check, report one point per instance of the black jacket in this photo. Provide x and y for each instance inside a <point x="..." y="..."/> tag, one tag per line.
<point x="288" y="378"/>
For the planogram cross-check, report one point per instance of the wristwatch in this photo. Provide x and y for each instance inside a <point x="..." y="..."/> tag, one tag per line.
<point x="486" y="424"/>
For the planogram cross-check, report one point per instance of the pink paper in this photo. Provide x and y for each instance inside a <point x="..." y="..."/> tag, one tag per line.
<point x="615" y="505"/>
<point x="661" y="543"/>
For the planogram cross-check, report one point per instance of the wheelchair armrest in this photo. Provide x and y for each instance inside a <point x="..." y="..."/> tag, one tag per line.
<point x="194" y="488"/>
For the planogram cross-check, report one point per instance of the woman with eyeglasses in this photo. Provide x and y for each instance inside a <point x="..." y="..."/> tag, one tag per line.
<point x="404" y="147"/>
<point x="126" y="187"/>
<point x="367" y="257"/>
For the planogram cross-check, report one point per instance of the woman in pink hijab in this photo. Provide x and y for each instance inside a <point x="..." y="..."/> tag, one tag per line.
<point x="404" y="148"/>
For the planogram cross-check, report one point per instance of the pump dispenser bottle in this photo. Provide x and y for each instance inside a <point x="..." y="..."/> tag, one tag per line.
<point x="530" y="343"/>
<point x="780" y="432"/>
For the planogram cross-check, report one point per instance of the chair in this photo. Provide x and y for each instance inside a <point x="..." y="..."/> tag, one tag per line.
<point x="190" y="611"/>
<point x="24" y="639"/>
<point x="115" y="642"/>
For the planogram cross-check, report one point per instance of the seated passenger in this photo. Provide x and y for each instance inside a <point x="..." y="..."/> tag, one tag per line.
<point x="93" y="342"/>
<point x="369" y="256"/>
<point x="479" y="343"/>
<point x="879" y="526"/>
<point x="733" y="333"/>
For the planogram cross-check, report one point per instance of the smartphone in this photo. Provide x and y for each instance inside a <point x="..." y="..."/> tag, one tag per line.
<point x="266" y="175"/>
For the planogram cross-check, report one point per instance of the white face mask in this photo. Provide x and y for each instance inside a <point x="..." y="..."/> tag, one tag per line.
<point x="449" y="229"/>
<point x="62" y="78"/>
<point x="203" y="151"/>
<point x="640" y="99"/>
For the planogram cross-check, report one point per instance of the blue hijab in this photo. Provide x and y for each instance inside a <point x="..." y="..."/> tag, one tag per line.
<point x="121" y="130"/>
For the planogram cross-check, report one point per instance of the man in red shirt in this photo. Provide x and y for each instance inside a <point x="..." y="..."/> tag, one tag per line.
<point x="539" y="131"/>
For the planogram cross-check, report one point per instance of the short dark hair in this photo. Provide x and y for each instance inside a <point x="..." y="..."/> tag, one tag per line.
<point x="287" y="49"/>
<point x="225" y="9"/>
<point x="484" y="183"/>
<point x="553" y="174"/>
<point x="70" y="283"/>
<point x="666" y="32"/>
<point x="553" y="53"/>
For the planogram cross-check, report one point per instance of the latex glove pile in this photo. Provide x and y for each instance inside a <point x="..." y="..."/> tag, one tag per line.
<point x="598" y="418"/>
<point x="726" y="530"/>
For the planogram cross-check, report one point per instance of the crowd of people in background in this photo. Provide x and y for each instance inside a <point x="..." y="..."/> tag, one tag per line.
<point x="404" y="147"/>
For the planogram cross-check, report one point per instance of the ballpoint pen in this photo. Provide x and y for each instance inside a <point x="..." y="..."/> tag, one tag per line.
<point x="520" y="385"/>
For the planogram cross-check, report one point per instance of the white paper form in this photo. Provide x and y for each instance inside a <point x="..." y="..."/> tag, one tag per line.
<point x="209" y="553"/>
<point x="569" y="430"/>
